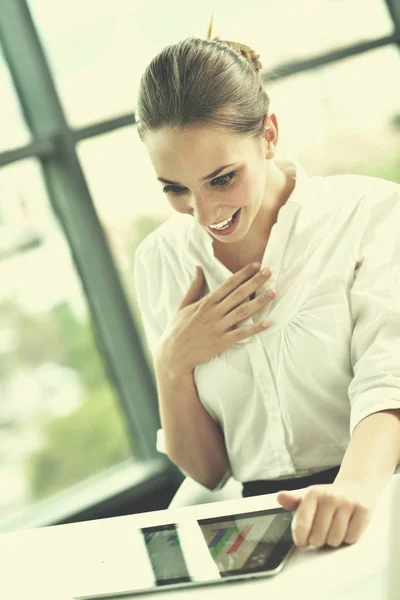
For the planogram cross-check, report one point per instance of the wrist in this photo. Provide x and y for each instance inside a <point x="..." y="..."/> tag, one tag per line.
<point x="371" y="487"/>
<point x="169" y="370"/>
<point x="364" y="476"/>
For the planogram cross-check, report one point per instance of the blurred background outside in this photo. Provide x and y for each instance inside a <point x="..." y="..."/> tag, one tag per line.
<point x="62" y="422"/>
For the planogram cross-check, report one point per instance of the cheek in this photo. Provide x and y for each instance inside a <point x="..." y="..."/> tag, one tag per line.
<point x="179" y="204"/>
<point x="246" y="192"/>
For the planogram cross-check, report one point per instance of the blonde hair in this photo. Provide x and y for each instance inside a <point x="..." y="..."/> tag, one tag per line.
<point x="210" y="82"/>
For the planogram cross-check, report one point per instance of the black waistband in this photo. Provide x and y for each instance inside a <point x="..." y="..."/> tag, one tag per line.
<point x="271" y="486"/>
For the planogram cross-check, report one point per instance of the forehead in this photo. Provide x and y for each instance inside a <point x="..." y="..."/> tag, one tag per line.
<point x="196" y="149"/>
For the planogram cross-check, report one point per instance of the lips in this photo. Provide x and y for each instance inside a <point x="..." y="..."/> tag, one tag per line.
<point x="219" y="226"/>
<point x="227" y="218"/>
<point x="230" y="228"/>
<point x="222" y="220"/>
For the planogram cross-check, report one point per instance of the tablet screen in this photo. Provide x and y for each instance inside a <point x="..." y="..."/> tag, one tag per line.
<point x="247" y="543"/>
<point x="165" y="554"/>
<point x="219" y="547"/>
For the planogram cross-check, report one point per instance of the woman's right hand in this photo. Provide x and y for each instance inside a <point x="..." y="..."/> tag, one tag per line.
<point x="203" y="328"/>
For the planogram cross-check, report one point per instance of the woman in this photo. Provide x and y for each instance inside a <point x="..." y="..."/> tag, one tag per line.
<point x="270" y="300"/>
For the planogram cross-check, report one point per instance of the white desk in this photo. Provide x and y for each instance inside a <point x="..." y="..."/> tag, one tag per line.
<point x="58" y="562"/>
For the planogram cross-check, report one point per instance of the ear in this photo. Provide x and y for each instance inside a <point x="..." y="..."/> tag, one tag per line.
<point x="271" y="134"/>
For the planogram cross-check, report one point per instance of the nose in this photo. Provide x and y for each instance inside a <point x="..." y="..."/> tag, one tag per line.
<point x="203" y="211"/>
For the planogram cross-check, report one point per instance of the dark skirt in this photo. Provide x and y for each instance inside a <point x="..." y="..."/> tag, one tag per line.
<point x="271" y="486"/>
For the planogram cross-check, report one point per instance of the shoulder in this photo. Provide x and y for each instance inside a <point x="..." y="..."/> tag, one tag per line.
<point x="159" y="269"/>
<point x="360" y="195"/>
<point x="358" y="186"/>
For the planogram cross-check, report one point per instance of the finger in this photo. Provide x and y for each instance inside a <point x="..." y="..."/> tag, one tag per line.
<point x="194" y="291"/>
<point x="322" y="521"/>
<point x="289" y="500"/>
<point x="358" y="523"/>
<point x="304" y="518"/>
<point x="245" y="309"/>
<point x="245" y="331"/>
<point x="243" y="293"/>
<point x="229" y="285"/>
<point x="339" y="527"/>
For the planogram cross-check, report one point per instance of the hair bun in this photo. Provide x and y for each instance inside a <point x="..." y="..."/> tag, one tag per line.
<point x="243" y="50"/>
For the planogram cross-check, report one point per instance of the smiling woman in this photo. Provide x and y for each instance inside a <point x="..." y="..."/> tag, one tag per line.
<point x="267" y="385"/>
<point x="256" y="187"/>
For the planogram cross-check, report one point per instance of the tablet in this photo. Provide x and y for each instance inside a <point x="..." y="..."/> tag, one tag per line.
<point x="195" y="552"/>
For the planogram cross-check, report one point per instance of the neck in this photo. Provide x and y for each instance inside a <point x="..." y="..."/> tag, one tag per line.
<point x="278" y="188"/>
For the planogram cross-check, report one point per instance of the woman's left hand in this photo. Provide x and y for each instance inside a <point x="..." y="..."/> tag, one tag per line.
<point x="331" y="514"/>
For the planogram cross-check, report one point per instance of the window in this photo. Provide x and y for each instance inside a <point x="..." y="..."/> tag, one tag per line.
<point x="56" y="402"/>
<point x="127" y="198"/>
<point x="13" y="129"/>
<point x="98" y="50"/>
<point x="290" y="30"/>
<point x="345" y="117"/>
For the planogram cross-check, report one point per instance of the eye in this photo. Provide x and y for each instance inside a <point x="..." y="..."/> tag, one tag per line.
<point x="172" y="189"/>
<point x="222" y="182"/>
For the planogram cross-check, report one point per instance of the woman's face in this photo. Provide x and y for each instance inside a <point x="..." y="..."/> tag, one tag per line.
<point x="210" y="174"/>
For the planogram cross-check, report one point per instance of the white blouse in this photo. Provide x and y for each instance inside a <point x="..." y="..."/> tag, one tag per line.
<point x="289" y="398"/>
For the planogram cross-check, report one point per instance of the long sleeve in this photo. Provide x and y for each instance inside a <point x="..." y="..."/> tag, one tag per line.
<point x="375" y="307"/>
<point x="148" y="278"/>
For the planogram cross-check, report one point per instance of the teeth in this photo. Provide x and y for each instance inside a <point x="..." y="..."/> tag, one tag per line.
<point x="223" y="223"/>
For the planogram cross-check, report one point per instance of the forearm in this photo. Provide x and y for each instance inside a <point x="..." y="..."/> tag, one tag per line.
<point x="373" y="451"/>
<point x="193" y="439"/>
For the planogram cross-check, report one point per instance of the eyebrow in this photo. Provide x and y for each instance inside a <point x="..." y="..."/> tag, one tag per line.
<point x="206" y="178"/>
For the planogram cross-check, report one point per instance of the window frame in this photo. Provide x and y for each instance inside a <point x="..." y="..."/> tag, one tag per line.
<point x="54" y="144"/>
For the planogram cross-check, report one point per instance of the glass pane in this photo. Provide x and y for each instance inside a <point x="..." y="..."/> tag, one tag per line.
<point x="59" y="418"/>
<point x="345" y="117"/>
<point x="286" y="30"/>
<point x="98" y="50"/>
<point x="14" y="132"/>
<point x="126" y="195"/>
